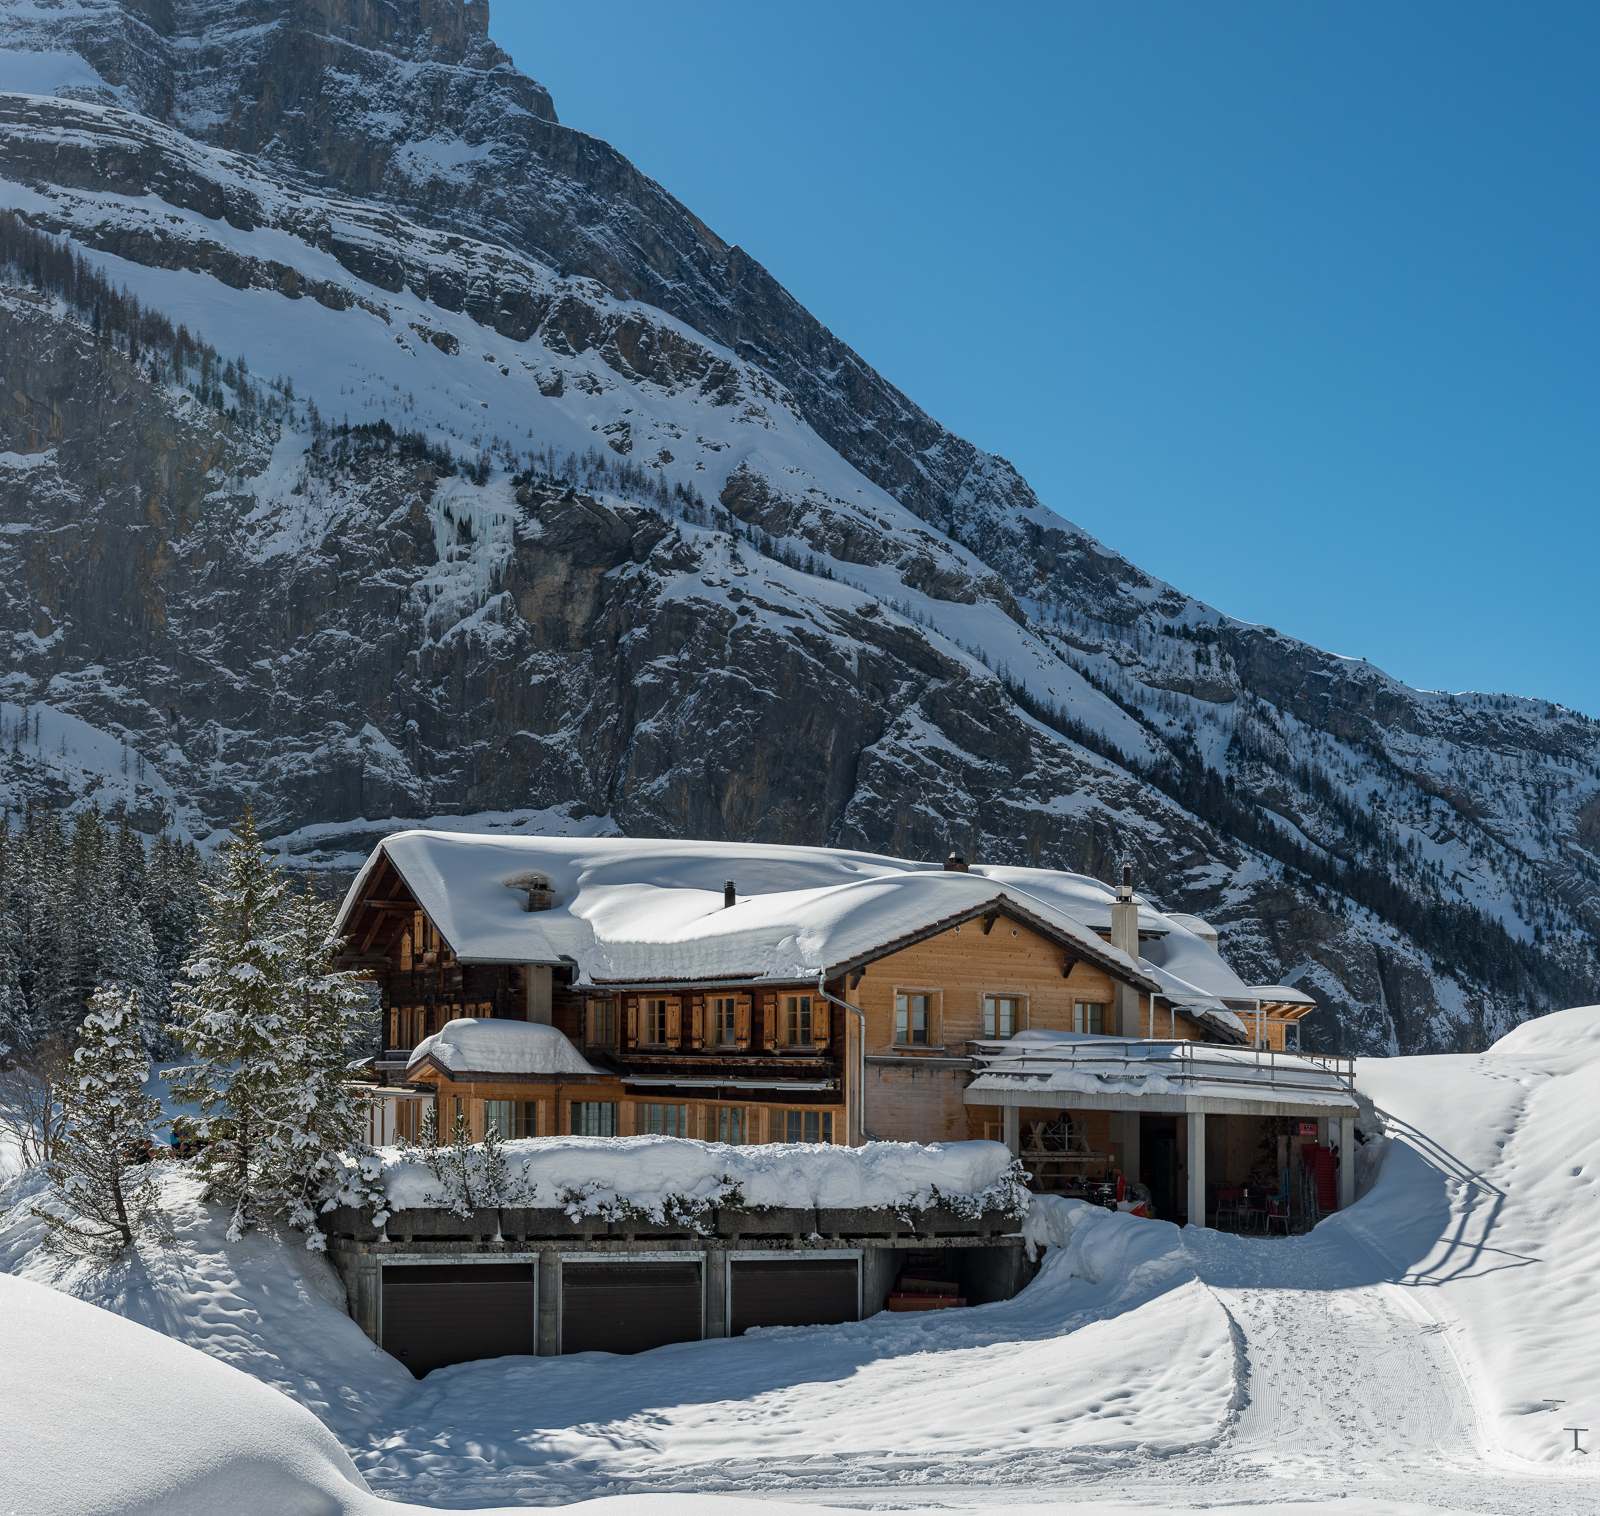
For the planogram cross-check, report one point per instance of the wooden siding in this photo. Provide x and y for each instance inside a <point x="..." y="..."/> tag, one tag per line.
<point x="959" y="967"/>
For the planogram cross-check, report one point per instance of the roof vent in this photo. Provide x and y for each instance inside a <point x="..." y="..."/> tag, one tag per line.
<point x="730" y="896"/>
<point x="956" y="863"/>
<point x="537" y="889"/>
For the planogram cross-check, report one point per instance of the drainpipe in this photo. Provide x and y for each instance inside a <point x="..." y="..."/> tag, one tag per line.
<point x="861" y="1083"/>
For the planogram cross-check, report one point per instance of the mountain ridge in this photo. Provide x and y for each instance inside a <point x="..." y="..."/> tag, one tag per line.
<point x="660" y="570"/>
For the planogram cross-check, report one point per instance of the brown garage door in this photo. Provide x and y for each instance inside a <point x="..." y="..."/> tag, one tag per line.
<point x="628" y="1307"/>
<point x="434" y="1314"/>
<point x="793" y="1292"/>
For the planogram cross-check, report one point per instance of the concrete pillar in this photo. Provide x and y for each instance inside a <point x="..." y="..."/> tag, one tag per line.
<point x="549" y="1336"/>
<point x="1197" y="1168"/>
<point x="1012" y="1131"/>
<point x="538" y="975"/>
<point x="363" y="1286"/>
<point x="716" y="1267"/>
<point x="1347" y="1162"/>
<point x="1125" y="1139"/>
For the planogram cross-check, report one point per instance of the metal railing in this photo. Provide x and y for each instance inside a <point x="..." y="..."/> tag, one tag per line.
<point x="1186" y="1062"/>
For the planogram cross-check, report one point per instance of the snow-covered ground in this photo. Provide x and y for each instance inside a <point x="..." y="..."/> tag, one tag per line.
<point x="1396" y="1360"/>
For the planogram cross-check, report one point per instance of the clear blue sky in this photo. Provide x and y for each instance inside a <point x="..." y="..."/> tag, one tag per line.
<point x="1295" y="305"/>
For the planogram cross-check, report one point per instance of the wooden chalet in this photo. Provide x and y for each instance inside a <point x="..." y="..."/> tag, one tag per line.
<point x="836" y="997"/>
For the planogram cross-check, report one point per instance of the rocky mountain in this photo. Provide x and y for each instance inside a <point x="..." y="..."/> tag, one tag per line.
<point x="377" y="448"/>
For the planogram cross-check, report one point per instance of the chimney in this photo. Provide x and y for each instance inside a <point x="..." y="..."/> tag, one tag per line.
<point x="956" y="863"/>
<point x="537" y="886"/>
<point x="730" y="896"/>
<point x="1125" y="935"/>
<point x="1125" y="913"/>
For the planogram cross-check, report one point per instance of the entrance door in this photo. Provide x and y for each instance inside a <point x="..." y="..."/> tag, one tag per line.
<point x="629" y="1307"/>
<point x="436" y="1314"/>
<point x="792" y="1292"/>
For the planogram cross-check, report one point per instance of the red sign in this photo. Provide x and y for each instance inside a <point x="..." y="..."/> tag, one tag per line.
<point x="1305" y="1129"/>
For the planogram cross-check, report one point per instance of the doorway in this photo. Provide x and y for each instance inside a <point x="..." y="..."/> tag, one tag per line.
<point x="1158" y="1163"/>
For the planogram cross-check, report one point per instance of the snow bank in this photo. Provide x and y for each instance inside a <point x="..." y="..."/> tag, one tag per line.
<point x="1487" y="1205"/>
<point x="1089" y="1242"/>
<point x="471" y="1045"/>
<point x="669" y="1178"/>
<point x="103" y="1415"/>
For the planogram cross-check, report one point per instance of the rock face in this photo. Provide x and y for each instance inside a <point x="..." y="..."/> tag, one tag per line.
<point x="563" y="513"/>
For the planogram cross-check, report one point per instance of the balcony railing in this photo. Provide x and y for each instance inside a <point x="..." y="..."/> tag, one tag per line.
<point x="1177" y="1060"/>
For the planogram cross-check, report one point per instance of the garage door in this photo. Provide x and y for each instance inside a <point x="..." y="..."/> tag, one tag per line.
<point x="434" y="1314"/>
<point x="629" y="1307"/>
<point x="792" y="1292"/>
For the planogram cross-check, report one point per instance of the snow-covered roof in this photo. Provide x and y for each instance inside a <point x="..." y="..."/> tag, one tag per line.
<point x="1038" y="1063"/>
<point x="631" y="910"/>
<point x="1279" y="994"/>
<point x="482" y="1046"/>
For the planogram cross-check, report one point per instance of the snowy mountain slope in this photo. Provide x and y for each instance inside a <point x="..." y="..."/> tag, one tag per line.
<point x="755" y="613"/>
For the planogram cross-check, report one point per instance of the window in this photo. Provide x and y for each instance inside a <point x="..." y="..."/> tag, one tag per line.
<point x="1088" y="1018"/>
<point x="729" y="1124"/>
<point x="497" y="1118"/>
<point x="655" y="1021"/>
<point x="663" y="1120"/>
<point x="1291" y="1036"/>
<point x="1002" y="1015"/>
<point x="797" y="1021"/>
<point x="913" y="1020"/>
<point x="724" y="1023"/>
<point x="602" y="1031"/>
<point x="809" y="1126"/>
<point x="461" y="1116"/>
<point x="525" y="1115"/>
<point x="594" y="1118"/>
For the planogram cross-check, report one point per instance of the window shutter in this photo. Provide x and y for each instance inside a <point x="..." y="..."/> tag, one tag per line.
<point x="769" y="1021"/>
<point x="625" y="1119"/>
<point x="544" y="1118"/>
<point x="741" y="1024"/>
<point x="764" y="1125"/>
<point x="821" y="1020"/>
<point x="633" y="1020"/>
<point x="697" y="1022"/>
<point x="675" y="1021"/>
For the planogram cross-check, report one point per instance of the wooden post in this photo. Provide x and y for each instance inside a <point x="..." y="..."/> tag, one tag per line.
<point x="1197" y="1168"/>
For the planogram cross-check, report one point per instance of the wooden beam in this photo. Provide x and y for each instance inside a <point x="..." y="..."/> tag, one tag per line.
<point x="989" y="919"/>
<point x="401" y="907"/>
<point x="1068" y="964"/>
<point x="855" y="978"/>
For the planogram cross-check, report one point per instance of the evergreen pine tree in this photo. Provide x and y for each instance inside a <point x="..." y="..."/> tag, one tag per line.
<point x="230" y="1013"/>
<point x="102" y="1188"/>
<point x="316" y="1118"/>
<point x="173" y="904"/>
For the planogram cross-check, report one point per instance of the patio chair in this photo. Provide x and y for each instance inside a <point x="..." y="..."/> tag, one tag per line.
<point x="1230" y="1203"/>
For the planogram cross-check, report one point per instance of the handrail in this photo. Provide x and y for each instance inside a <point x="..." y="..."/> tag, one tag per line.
<point x="1195" y="1061"/>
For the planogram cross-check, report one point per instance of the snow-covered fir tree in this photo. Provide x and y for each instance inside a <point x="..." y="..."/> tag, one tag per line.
<point x="80" y="909"/>
<point x="230" y="1012"/>
<point x="102" y="1191"/>
<point x="314" y="1117"/>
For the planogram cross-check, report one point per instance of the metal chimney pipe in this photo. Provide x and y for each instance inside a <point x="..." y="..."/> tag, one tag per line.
<point x="730" y="895"/>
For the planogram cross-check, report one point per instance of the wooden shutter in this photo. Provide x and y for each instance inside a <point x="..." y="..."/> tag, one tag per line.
<point x="633" y="1020"/>
<point x="741" y="1021"/>
<point x="697" y="1021"/>
<point x="627" y="1126"/>
<point x="674" y="1021"/>
<point x="544" y="1118"/>
<point x="821" y="1020"/>
<point x="769" y="1021"/>
<point x="763" y="1125"/>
